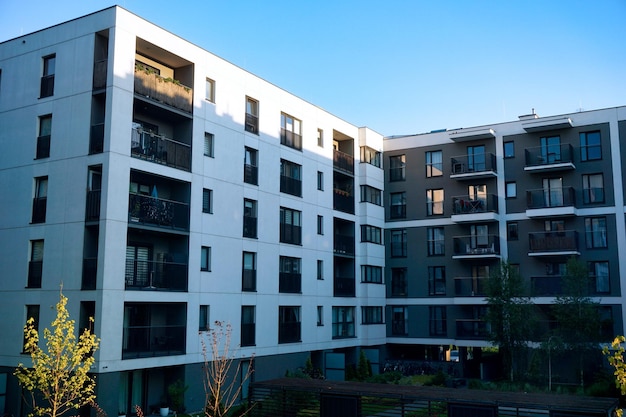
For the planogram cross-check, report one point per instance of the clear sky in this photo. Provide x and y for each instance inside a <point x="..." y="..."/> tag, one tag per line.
<point x="397" y="66"/>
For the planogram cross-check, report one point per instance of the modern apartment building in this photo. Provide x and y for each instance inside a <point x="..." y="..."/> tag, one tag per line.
<point x="533" y="192"/>
<point x="166" y="189"/>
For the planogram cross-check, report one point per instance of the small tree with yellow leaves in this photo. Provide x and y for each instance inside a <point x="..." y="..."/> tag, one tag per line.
<point x="615" y="355"/>
<point x="59" y="379"/>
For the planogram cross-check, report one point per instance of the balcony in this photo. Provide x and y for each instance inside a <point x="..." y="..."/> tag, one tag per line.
<point x="90" y="271"/>
<point x="160" y="149"/>
<point x="148" y="341"/>
<point x="163" y="90"/>
<point x="343" y="162"/>
<point x="343" y="245"/>
<point x="289" y="282"/>
<point x="474" y="209"/>
<point x="472" y="329"/>
<point x="472" y="167"/>
<point x="546" y="286"/>
<point x="39" y="209"/>
<point x="155" y="275"/>
<point x="343" y="286"/>
<point x="96" y="139"/>
<point x="470" y="286"/>
<point x="561" y="243"/>
<point x="551" y="202"/>
<point x="92" y="209"/>
<point x="100" y="74"/>
<point x="343" y="200"/>
<point x="549" y="158"/>
<point x="399" y="328"/>
<point x="152" y="211"/>
<point x="476" y="247"/>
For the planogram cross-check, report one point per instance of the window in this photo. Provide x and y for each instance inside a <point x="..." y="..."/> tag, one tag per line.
<point x="209" y="94"/>
<point x="290" y="131"/>
<point x="208" y="144"/>
<point x="370" y="156"/>
<point x="250" y="166"/>
<point x="320" y="225"/>
<point x="476" y="161"/>
<point x="371" y="234"/>
<point x="398" y="243"/>
<point x="320" y="269"/>
<point x="550" y="149"/>
<point x="290" y="226"/>
<point x="35" y="266"/>
<point x="288" y="324"/>
<point x="599" y="275"/>
<point x="434" y="202"/>
<point x="32" y="312"/>
<point x="290" y="275"/>
<point x="397" y="209"/>
<point x="512" y="231"/>
<point x="437" y="322"/>
<point x="590" y="146"/>
<point x="40" y="200"/>
<point x="248" y="273"/>
<point x="47" y="79"/>
<point x="479" y="236"/>
<point x="320" y="180"/>
<point x="593" y="188"/>
<point x="252" y="115"/>
<point x="248" y="325"/>
<point x="434" y="164"/>
<point x="290" y="178"/>
<point x="249" y="218"/>
<point x="320" y="315"/>
<point x="595" y="231"/>
<point x="371" y="195"/>
<point x="372" y="274"/>
<point x="205" y="258"/>
<point x="320" y="138"/>
<point x="399" y="321"/>
<point x="43" y="140"/>
<point x="397" y="165"/>
<point x="552" y="192"/>
<point x="436" y="280"/>
<point x="511" y="189"/>
<point x="343" y="322"/>
<point x="399" y="283"/>
<point x="509" y="149"/>
<point x="372" y="315"/>
<point x="203" y="319"/>
<point x="207" y="201"/>
<point x="435" y="241"/>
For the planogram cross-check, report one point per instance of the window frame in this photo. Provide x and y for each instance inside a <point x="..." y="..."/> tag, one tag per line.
<point x="398" y="248"/>
<point x="435" y="207"/>
<point x="399" y="281"/>
<point x="320" y="180"/>
<point x="437" y="321"/>
<point x="436" y="247"/>
<point x="593" y="275"/>
<point x="371" y="274"/>
<point x="248" y="275"/>
<point x="320" y="225"/>
<point x="397" y="205"/>
<point x="589" y="192"/>
<point x="250" y="218"/>
<point x="585" y="146"/>
<point x="290" y="131"/>
<point x="209" y="90"/>
<point x="35" y="263"/>
<point x="252" y="115"/>
<point x="343" y="322"/>
<point x="207" y="201"/>
<point x="510" y="153"/>
<point x="371" y="234"/>
<point x="248" y="327"/>
<point x="293" y="233"/>
<point x="209" y="145"/>
<point x="510" y="189"/>
<point x="320" y="138"/>
<point x="204" y="317"/>
<point x="371" y="195"/>
<point x="320" y="269"/>
<point x="371" y="156"/>
<point x="290" y="178"/>
<point x="251" y="165"/>
<point x="43" y="136"/>
<point x="205" y="259"/>
<point x="432" y="164"/>
<point x="397" y="168"/>
<point x="372" y="315"/>
<point x="437" y="280"/>
<point x="290" y="322"/>
<point x="596" y="232"/>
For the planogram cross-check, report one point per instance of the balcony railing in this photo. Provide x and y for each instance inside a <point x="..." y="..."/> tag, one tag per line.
<point x="250" y="227"/>
<point x="39" y="209"/>
<point x="158" y="212"/>
<point x="343" y="287"/>
<point x="291" y="185"/>
<point x="289" y="282"/>
<point x="252" y="123"/>
<point x="90" y="270"/>
<point x="397" y="211"/>
<point x="549" y="155"/>
<point x="466" y="204"/>
<point x="155" y="275"/>
<point x="561" y="241"/>
<point x="100" y="74"/>
<point x="251" y="174"/>
<point x="476" y="245"/>
<point x="146" y="341"/>
<point x="343" y="200"/>
<point x="92" y="209"/>
<point x="43" y="147"/>
<point x="35" y="270"/>
<point x="473" y="164"/>
<point x="160" y="149"/>
<point x="291" y="139"/>
<point x="546" y="286"/>
<point x="471" y="329"/>
<point x="248" y="280"/>
<point x="550" y="198"/>
<point x="164" y="90"/>
<point x="343" y="162"/>
<point x="399" y="328"/>
<point x="96" y="138"/>
<point x="470" y="286"/>
<point x="289" y="332"/>
<point x="343" y="245"/>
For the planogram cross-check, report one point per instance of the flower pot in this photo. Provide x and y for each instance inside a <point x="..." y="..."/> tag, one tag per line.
<point x="164" y="411"/>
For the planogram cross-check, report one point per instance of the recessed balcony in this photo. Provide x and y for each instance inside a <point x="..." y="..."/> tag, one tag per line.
<point x="474" y="209"/>
<point x="559" y="243"/>
<point x="343" y="162"/>
<point x="546" y="286"/>
<point x="549" y="202"/>
<point x="476" y="247"/>
<point x="470" y="167"/>
<point x="158" y="212"/>
<point x="470" y="286"/>
<point x="549" y="158"/>
<point x="160" y="149"/>
<point x="155" y="275"/>
<point x="163" y="90"/>
<point x="473" y="329"/>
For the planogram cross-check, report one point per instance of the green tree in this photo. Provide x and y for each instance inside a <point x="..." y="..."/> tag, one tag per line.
<point x="509" y="315"/>
<point x="59" y="379"/>
<point x="577" y="314"/>
<point x="616" y="359"/>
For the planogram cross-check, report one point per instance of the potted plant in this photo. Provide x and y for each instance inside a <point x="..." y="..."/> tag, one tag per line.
<point x="164" y="409"/>
<point x="176" y="391"/>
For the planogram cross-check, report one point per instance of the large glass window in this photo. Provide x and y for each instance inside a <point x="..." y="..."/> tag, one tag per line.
<point x="434" y="164"/>
<point x="372" y="315"/>
<point x="290" y="275"/>
<point x="435" y="241"/>
<point x="249" y="218"/>
<point x="599" y="274"/>
<point x="371" y="234"/>
<point x="291" y="131"/>
<point x="35" y="266"/>
<point x="248" y="325"/>
<point x="399" y="283"/>
<point x="47" y="78"/>
<point x="43" y="140"/>
<point x="550" y="149"/>
<point x="434" y="202"/>
<point x="476" y="160"/>
<point x="290" y="178"/>
<point x="398" y="243"/>
<point x="248" y="274"/>
<point x="590" y="146"/>
<point x="437" y="320"/>
<point x="397" y="210"/>
<point x="371" y="195"/>
<point x="397" y="166"/>
<point x="593" y="188"/>
<point x="436" y="280"/>
<point x="289" y="324"/>
<point x="252" y="115"/>
<point x="250" y="166"/>
<point x="343" y="322"/>
<point x="595" y="231"/>
<point x="372" y="274"/>
<point x="40" y="201"/>
<point x="203" y="318"/>
<point x="370" y="156"/>
<point x="290" y="226"/>
<point x="399" y="321"/>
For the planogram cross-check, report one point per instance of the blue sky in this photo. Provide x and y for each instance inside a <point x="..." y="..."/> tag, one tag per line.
<point x="398" y="66"/>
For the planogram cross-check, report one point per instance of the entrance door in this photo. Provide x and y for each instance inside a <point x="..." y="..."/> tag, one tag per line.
<point x="131" y="391"/>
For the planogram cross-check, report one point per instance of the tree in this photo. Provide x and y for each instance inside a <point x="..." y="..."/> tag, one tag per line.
<point x="616" y="360"/>
<point x="509" y="314"/>
<point x="222" y="386"/>
<point x="59" y="379"/>
<point x="577" y="314"/>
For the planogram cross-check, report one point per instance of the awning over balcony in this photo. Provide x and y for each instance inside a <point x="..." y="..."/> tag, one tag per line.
<point x="547" y="123"/>
<point x="464" y="135"/>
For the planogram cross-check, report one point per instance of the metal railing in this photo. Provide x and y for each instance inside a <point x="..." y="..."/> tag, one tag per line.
<point x="470" y="286"/>
<point x="471" y="164"/>
<point x="343" y="162"/>
<point x="155" y="275"/>
<point x="146" y="341"/>
<point x="160" y="149"/>
<point x="476" y="245"/>
<point x="548" y="155"/>
<point x="158" y="212"/>
<point x="466" y="204"/>
<point x="550" y="198"/>
<point x="566" y="240"/>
